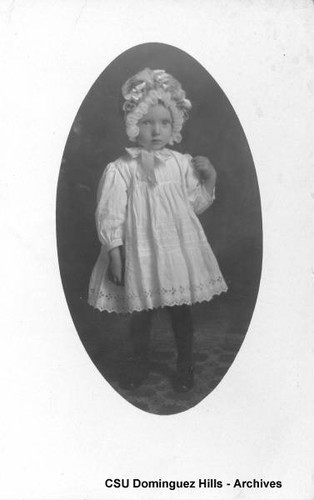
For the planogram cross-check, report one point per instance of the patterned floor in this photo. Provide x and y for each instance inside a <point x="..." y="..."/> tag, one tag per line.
<point x="220" y="327"/>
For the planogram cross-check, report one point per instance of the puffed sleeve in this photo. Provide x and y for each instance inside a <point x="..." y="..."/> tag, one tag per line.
<point x="111" y="207"/>
<point x="198" y="195"/>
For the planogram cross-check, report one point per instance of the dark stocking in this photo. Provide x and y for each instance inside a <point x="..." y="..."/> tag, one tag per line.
<point x="140" y="326"/>
<point x="138" y="366"/>
<point x="181" y="320"/>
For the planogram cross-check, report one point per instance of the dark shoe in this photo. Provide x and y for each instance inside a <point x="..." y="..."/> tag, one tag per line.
<point x="134" y="374"/>
<point x="184" y="380"/>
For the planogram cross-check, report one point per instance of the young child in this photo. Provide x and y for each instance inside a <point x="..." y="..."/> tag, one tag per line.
<point x="154" y="250"/>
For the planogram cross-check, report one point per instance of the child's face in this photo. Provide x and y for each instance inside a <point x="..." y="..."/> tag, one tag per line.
<point x="155" y="128"/>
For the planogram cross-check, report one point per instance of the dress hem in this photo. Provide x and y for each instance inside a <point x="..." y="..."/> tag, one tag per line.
<point x="160" y="305"/>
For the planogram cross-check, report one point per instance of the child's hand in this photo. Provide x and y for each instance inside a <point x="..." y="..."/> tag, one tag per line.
<point x="116" y="271"/>
<point x="204" y="168"/>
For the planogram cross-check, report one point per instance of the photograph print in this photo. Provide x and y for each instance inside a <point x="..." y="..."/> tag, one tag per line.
<point x="159" y="228"/>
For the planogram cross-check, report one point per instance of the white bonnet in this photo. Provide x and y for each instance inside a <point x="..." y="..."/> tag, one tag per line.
<point x="148" y="88"/>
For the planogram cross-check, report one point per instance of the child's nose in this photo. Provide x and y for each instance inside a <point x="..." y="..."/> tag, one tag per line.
<point x="156" y="128"/>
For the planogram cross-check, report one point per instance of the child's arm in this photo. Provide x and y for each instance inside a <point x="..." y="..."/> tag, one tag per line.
<point x="116" y="265"/>
<point x="110" y="219"/>
<point x="206" y="172"/>
<point x="200" y="179"/>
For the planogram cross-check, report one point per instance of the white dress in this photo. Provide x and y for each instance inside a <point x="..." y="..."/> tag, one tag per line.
<point x="168" y="258"/>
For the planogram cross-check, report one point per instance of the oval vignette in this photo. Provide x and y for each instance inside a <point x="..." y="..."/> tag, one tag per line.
<point x="233" y="226"/>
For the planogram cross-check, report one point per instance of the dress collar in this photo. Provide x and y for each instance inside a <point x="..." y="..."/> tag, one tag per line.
<point x="161" y="154"/>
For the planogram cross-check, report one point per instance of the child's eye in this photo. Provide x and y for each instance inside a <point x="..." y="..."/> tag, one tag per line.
<point x="166" y="122"/>
<point x="146" y="122"/>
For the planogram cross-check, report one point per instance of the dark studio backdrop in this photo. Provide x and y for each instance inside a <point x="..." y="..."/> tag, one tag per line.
<point x="233" y="224"/>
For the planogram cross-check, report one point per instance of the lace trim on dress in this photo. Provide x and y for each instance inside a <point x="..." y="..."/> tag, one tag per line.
<point x="129" y="302"/>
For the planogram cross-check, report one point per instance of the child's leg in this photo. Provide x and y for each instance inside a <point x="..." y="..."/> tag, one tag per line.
<point x="138" y="367"/>
<point x="181" y="320"/>
<point x="140" y="326"/>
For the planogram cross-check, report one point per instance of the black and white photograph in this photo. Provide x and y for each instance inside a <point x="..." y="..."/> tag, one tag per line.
<point x="157" y="216"/>
<point x="156" y="198"/>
